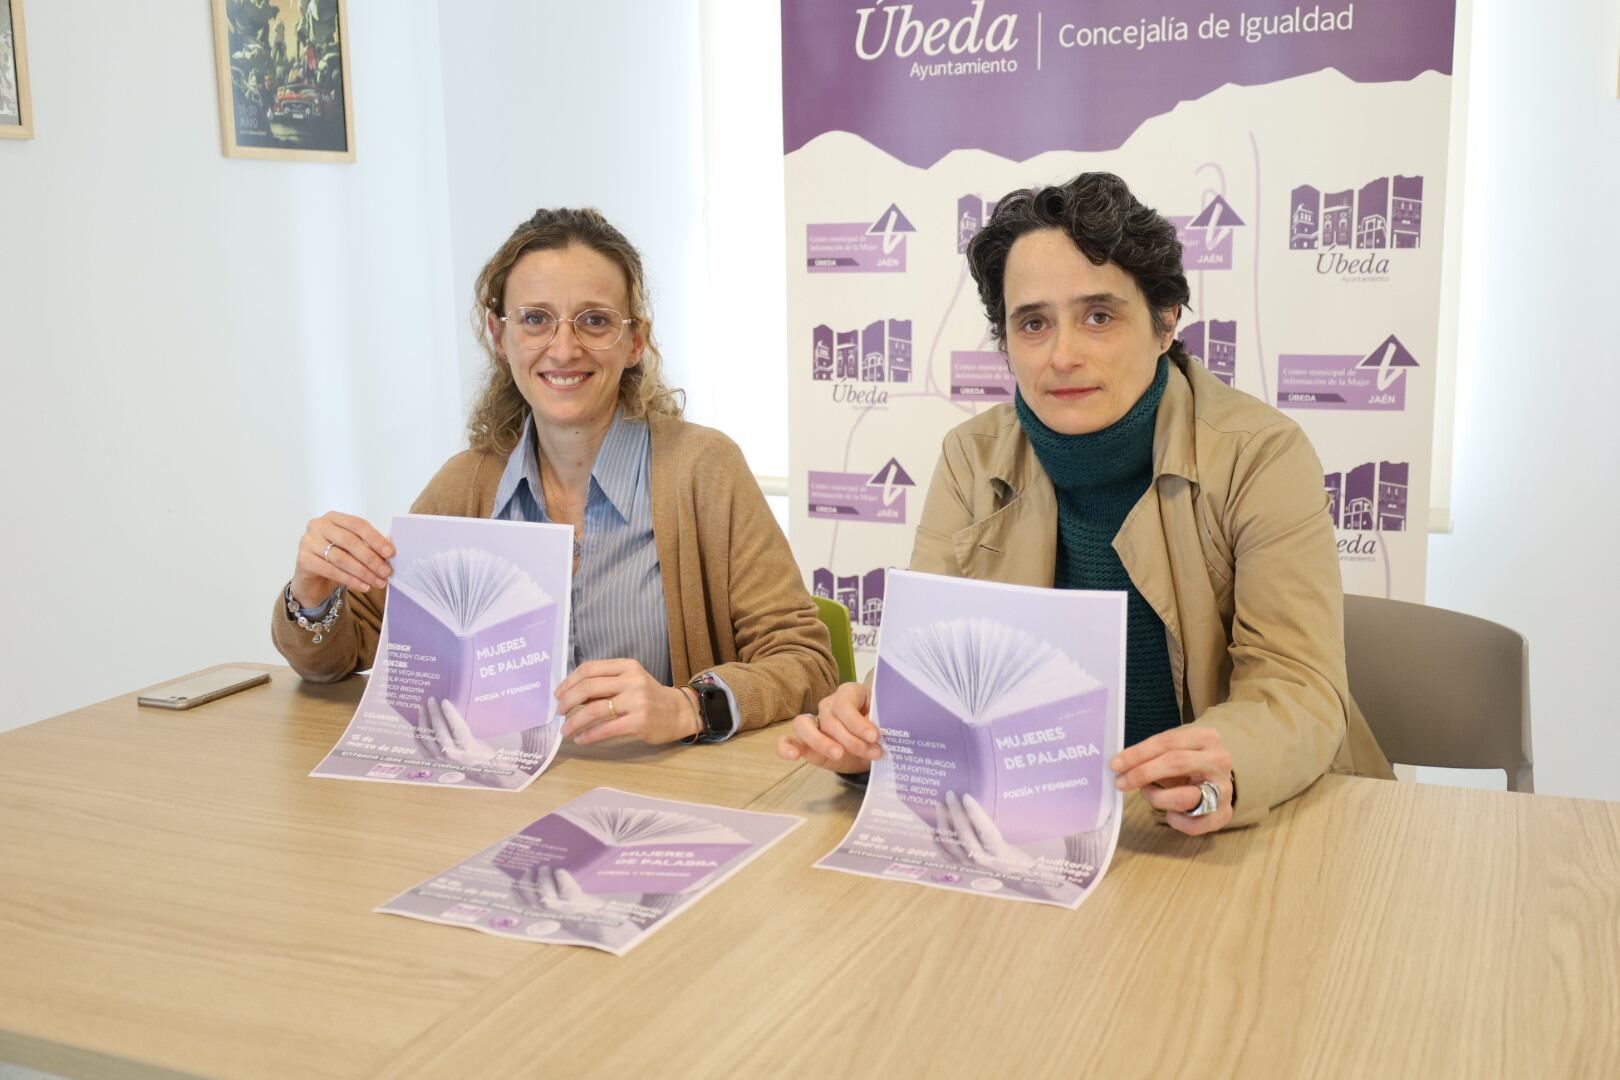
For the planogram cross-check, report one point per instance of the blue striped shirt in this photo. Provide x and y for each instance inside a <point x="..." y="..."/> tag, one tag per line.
<point x="617" y="599"/>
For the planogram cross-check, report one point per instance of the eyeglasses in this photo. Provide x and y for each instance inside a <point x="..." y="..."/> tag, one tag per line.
<point x="596" y="328"/>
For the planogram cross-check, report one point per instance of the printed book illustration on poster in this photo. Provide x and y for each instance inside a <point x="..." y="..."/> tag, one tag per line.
<point x="604" y="870"/>
<point x="623" y="849"/>
<point x="474" y="642"/>
<point x="1019" y="722"/>
<point x="1000" y="707"/>
<point x="484" y="624"/>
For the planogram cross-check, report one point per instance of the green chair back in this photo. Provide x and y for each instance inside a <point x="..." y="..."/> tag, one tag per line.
<point x="836" y="616"/>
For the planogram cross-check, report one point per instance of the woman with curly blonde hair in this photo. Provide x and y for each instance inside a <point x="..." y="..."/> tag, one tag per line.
<point x="689" y="617"/>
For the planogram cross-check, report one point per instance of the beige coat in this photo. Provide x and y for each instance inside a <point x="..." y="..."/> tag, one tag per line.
<point x="736" y="603"/>
<point x="1231" y="545"/>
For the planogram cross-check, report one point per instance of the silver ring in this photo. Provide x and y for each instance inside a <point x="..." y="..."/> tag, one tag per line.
<point x="327" y="552"/>
<point x="1209" y="799"/>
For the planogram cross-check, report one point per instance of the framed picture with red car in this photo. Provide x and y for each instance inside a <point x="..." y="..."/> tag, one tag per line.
<point x="16" y="116"/>
<point x="284" y="79"/>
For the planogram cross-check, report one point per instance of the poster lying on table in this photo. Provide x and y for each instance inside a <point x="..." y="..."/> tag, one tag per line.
<point x="1000" y="707"/>
<point x="604" y="870"/>
<point x="474" y="642"/>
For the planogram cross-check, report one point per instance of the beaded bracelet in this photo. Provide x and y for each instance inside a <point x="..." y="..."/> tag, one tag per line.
<point x="295" y="612"/>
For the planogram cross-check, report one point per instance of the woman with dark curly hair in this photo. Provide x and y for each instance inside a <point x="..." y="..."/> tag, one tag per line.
<point x="689" y="618"/>
<point x="1124" y="464"/>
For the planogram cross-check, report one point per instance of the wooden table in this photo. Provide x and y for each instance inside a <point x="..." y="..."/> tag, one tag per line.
<point x="176" y="896"/>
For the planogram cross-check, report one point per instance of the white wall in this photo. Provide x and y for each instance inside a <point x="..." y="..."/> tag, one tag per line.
<point x="689" y="95"/>
<point x="1533" y="502"/>
<point x="198" y="353"/>
<point x="523" y="84"/>
<point x="742" y="71"/>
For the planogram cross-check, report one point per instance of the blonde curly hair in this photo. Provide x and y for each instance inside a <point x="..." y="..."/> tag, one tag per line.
<point x="497" y="418"/>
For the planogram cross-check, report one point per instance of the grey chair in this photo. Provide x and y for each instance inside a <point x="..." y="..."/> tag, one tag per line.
<point x="1441" y="688"/>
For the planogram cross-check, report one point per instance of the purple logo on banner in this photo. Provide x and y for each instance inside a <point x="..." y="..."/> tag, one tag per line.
<point x="861" y="594"/>
<point x="1206" y="238"/>
<point x="1383" y="214"/>
<point x="879" y="353"/>
<point x="981" y="376"/>
<point x="1215" y="343"/>
<point x="1371" y="496"/>
<point x="847" y="248"/>
<point x="858" y="497"/>
<point x="1375" y="382"/>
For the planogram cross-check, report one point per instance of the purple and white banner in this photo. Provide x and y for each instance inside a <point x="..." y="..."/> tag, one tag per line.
<point x="1000" y="707"/>
<point x="604" y="870"/>
<point x="1300" y="149"/>
<point x="474" y="642"/>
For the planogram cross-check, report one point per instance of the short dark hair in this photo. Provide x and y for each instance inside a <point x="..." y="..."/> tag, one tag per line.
<point x="1106" y="222"/>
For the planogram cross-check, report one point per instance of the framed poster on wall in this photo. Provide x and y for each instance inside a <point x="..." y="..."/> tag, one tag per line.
<point x="16" y="112"/>
<point x="284" y="79"/>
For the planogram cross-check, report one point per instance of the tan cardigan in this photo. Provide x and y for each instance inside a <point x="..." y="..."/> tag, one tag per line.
<point x="736" y="602"/>
<point x="1231" y="545"/>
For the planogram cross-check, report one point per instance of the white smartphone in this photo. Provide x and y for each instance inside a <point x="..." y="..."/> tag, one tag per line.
<point x="203" y="688"/>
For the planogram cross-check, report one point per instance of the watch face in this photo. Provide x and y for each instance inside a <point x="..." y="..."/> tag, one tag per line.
<point x="716" y="710"/>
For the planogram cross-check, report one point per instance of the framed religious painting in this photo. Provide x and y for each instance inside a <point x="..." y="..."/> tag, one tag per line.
<point x="16" y="110"/>
<point x="284" y="79"/>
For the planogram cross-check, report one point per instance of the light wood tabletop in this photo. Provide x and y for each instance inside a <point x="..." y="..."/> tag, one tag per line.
<point x="176" y="896"/>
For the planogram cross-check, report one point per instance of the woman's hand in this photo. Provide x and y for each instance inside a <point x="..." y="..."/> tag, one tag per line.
<point x="604" y="699"/>
<point x="1167" y="769"/>
<point x="841" y="736"/>
<point x="339" y="549"/>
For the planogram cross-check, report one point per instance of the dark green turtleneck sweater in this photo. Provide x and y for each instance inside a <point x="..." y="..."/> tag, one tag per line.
<point x="1098" y="477"/>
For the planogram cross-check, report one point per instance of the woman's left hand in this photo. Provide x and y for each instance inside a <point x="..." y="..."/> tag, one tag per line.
<point x="604" y="699"/>
<point x="1167" y="769"/>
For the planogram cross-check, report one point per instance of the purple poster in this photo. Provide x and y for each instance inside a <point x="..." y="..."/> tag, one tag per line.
<point x="1000" y="707"/>
<point x="604" y="870"/>
<point x="474" y="643"/>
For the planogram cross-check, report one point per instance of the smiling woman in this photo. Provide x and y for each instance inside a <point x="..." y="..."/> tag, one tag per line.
<point x="689" y="617"/>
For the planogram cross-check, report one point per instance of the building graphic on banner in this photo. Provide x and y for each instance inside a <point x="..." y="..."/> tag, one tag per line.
<point x="822" y="353"/>
<point x="971" y="214"/>
<point x="861" y="594"/>
<point x="1215" y="343"/>
<point x="1306" y="214"/>
<point x="881" y="352"/>
<point x="1372" y="216"/>
<point x="1370" y="497"/>
<point x="1406" y="211"/>
<point x="1383" y="213"/>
